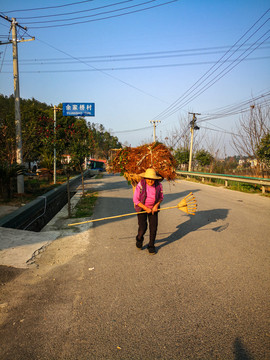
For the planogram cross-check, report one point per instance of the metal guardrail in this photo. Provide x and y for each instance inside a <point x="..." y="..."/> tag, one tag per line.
<point x="245" y="179"/>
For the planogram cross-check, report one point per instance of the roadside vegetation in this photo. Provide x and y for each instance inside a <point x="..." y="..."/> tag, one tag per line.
<point x="232" y="185"/>
<point x="85" y="206"/>
<point x="74" y="139"/>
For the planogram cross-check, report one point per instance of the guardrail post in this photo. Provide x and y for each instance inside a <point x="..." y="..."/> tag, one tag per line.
<point x="226" y="183"/>
<point x="263" y="189"/>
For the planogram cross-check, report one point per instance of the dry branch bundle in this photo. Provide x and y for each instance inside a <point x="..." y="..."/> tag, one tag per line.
<point x="133" y="161"/>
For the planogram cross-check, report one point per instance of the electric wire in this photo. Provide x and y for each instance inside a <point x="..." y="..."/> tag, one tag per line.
<point x="240" y="109"/>
<point x="4" y="54"/>
<point x="131" y="131"/>
<point x="221" y="75"/>
<point x="175" y="106"/>
<point x="207" y="86"/>
<point x="128" y="57"/>
<point x="125" y="68"/>
<point x="101" y="71"/>
<point x="232" y="107"/>
<point x="49" y="7"/>
<point x="104" y="18"/>
<point x="166" y="52"/>
<point x="88" y="16"/>
<point x="73" y="12"/>
<point x="224" y="131"/>
<point x="219" y="60"/>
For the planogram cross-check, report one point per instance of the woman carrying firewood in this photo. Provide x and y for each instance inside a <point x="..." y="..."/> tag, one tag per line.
<point x="147" y="197"/>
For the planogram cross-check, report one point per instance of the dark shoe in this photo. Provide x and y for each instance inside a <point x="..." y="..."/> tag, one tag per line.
<point x="139" y="244"/>
<point x="151" y="250"/>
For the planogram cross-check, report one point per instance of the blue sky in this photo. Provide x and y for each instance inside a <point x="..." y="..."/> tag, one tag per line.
<point x="164" y="51"/>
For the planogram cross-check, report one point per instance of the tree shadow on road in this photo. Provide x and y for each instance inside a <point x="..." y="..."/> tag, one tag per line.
<point x="201" y="219"/>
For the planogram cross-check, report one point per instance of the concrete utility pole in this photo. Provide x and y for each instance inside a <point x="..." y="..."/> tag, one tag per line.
<point x="19" y="151"/>
<point x="193" y="127"/>
<point x="154" y="122"/>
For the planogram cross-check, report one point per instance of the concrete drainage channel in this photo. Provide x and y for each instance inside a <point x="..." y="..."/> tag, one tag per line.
<point x="36" y="214"/>
<point x="27" y="231"/>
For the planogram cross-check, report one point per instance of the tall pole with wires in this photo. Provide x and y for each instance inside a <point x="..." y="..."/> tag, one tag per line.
<point x="154" y="122"/>
<point x="55" y="108"/>
<point x="193" y="127"/>
<point x="18" y="127"/>
<point x="19" y="151"/>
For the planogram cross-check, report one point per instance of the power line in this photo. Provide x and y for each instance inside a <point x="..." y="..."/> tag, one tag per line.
<point x="5" y="52"/>
<point x="106" y="17"/>
<point x="101" y="71"/>
<point x="125" y="68"/>
<point x="127" y="57"/>
<point x="208" y="85"/>
<point x="240" y="108"/>
<point x="242" y="103"/>
<point x="88" y="16"/>
<point x="131" y="131"/>
<point x="223" y="131"/>
<point x="177" y="105"/>
<point x="74" y="12"/>
<point x="223" y="72"/>
<point x="49" y="7"/>
<point x="234" y="106"/>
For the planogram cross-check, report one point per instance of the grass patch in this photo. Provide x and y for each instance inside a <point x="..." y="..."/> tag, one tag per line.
<point x="85" y="205"/>
<point x="249" y="188"/>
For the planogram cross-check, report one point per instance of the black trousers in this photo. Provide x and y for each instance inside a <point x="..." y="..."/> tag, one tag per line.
<point x="153" y="225"/>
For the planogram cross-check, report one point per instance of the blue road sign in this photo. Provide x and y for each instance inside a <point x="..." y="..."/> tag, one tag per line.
<point x="78" y="109"/>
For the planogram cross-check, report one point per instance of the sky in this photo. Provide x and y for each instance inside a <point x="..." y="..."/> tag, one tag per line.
<point x="142" y="60"/>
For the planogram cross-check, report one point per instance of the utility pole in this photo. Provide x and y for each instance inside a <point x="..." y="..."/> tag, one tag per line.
<point x="54" y="149"/>
<point x="193" y="127"/>
<point x="154" y="122"/>
<point x="19" y="150"/>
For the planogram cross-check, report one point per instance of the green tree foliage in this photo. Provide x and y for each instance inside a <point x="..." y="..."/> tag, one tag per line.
<point x="37" y="131"/>
<point x="263" y="150"/>
<point x="203" y="157"/>
<point x="182" y="155"/>
<point x="102" y="141"/>
<point x="72" y="135"/>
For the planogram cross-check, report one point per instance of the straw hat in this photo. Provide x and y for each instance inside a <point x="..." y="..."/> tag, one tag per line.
<point x="151" y="174"/>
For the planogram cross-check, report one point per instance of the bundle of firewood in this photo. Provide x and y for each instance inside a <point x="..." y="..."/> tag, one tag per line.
<point x="133" y="161"/>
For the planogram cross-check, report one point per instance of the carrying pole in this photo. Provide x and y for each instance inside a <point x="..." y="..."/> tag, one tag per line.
<point x="187" y="205"/>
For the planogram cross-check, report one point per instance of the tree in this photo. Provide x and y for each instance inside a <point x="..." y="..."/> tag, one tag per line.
<point x="102" y="141"/>
<point x="77" y="144"/>
<point x="251" y="129"/>
<point x="263" y="150"/>
<point x="203" y="157"/>
<point x="39" y="140"/>
<point x="182" y="156"/>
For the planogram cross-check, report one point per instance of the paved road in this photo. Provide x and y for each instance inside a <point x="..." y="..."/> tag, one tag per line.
<point x="204" y="295"/>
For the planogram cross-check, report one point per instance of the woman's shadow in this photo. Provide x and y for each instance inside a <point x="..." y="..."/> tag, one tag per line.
<point x="194" y="223"/>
